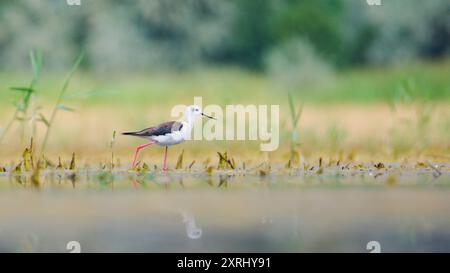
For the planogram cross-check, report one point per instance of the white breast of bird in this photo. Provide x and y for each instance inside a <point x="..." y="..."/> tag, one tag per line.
<point x="169" y="139"/>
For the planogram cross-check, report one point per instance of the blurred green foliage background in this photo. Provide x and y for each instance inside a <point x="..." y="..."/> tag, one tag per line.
<point x="325" y="50"/>
<point x="179" y="34"/>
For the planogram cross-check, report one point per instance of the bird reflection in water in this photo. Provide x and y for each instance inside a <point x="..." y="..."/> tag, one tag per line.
<point x="192" y="230"/>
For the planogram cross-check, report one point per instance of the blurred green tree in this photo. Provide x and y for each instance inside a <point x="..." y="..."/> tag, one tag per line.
<point x="180" y="34"/>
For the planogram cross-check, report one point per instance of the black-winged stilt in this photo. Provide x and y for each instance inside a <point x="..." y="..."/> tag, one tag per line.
<point x="168" y="133"/>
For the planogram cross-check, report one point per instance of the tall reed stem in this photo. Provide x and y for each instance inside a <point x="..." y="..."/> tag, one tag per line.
<point x="59" y="100"/>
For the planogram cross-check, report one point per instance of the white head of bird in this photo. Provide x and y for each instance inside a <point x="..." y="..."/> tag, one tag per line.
<point x="193" y="111"/>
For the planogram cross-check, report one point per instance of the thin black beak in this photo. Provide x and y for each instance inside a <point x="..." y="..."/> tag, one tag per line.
<point x="208" y="116"/>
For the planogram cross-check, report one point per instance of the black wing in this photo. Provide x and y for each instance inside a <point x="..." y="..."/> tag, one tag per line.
<point x="161" y="129"/>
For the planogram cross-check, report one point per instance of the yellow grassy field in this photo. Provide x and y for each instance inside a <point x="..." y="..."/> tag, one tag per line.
<point x="361" y="132"/>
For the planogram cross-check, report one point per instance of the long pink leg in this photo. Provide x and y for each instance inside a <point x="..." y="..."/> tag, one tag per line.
<point x="165" y="161"/>
<point x="140" y="147"/>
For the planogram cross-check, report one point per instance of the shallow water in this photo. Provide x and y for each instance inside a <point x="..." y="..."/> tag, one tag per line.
<point x="226" y="211"/>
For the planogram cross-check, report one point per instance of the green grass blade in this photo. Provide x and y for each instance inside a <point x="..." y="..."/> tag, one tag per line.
<point x="22" y="89"/>
<point x="43" y="119"/>
<point x="291" y="106"/>
<point x="65" y="108"/>
<point x="71" y="72"/>
<point x="36" y="64"/>
<point x="58" y="104"/>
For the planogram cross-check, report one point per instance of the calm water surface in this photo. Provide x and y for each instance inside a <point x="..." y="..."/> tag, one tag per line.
<point x="189" y="212"/>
